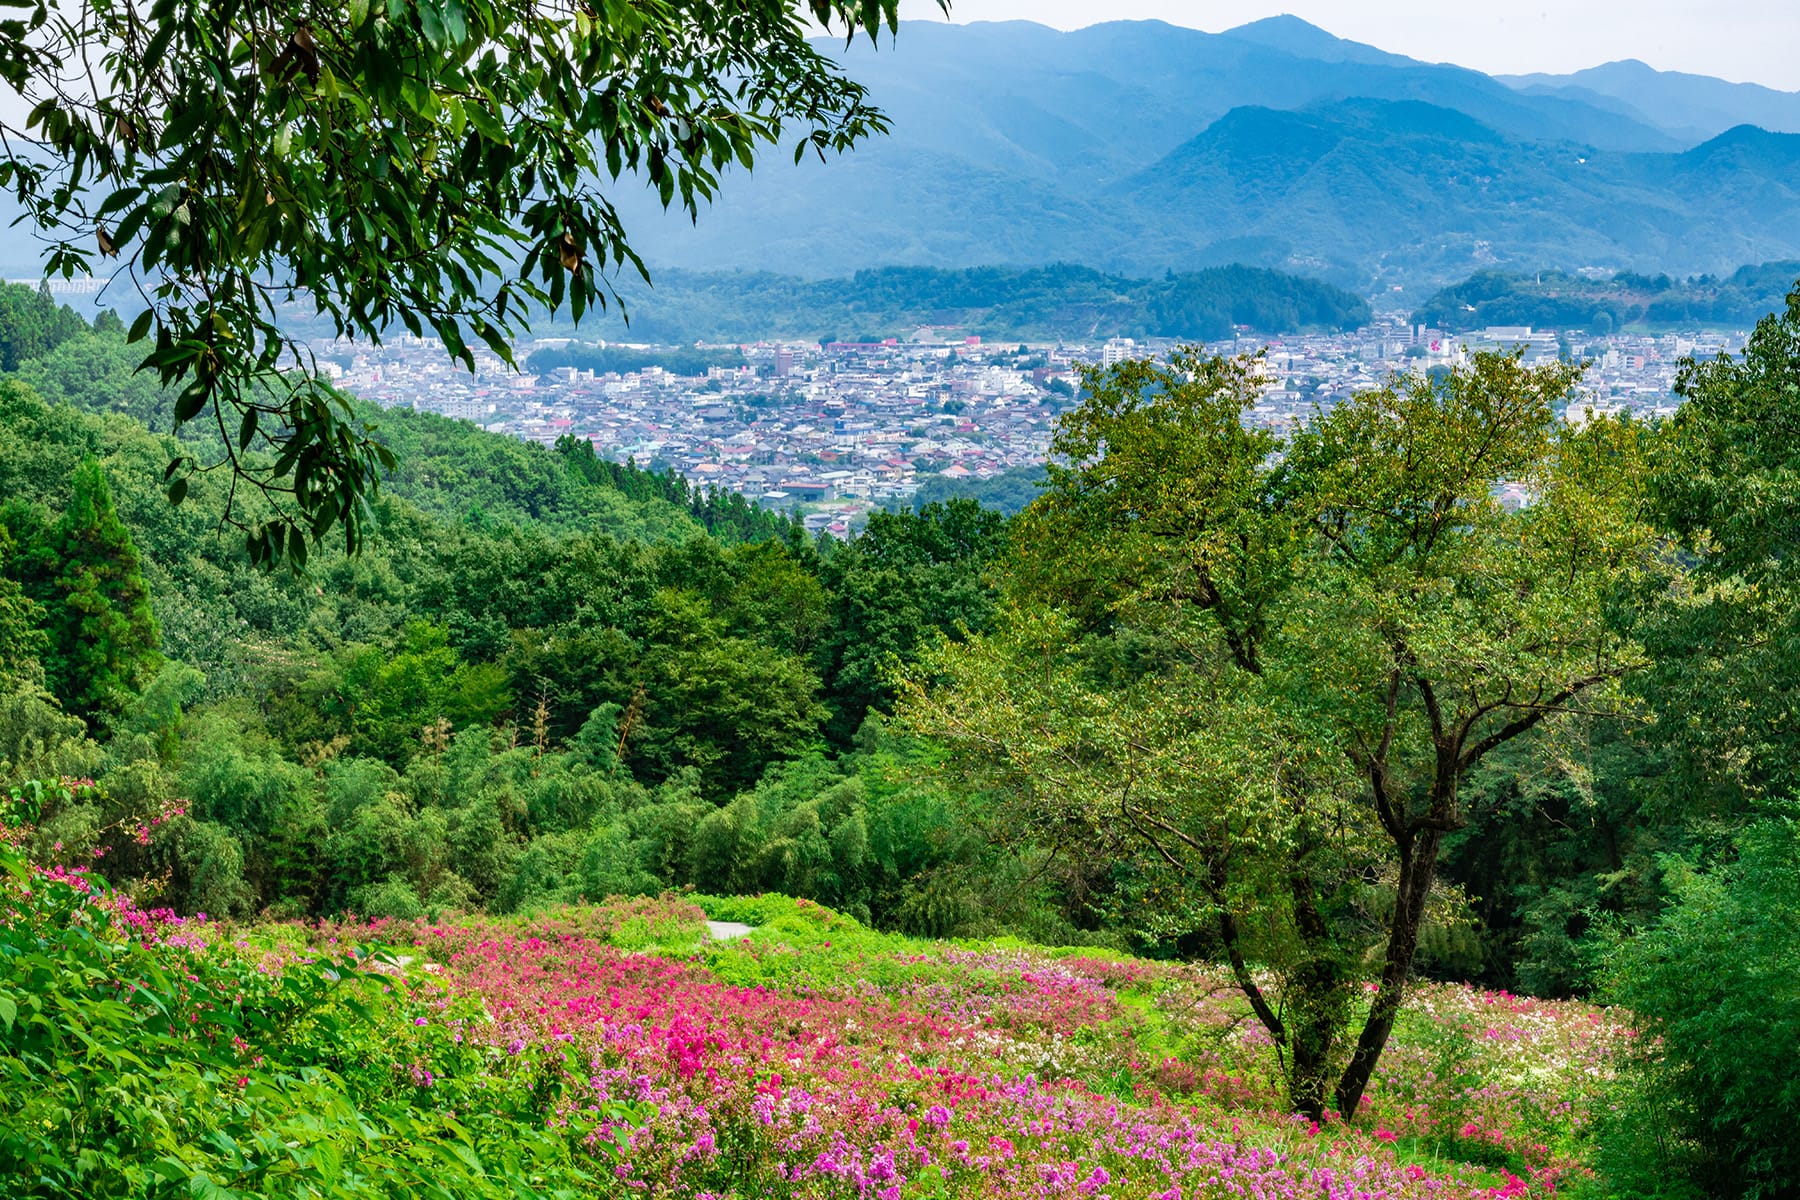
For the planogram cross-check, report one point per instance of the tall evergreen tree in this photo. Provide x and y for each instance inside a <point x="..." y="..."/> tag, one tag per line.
<point x="103" y="635"/>
<point x="22" y="641"/>
<point x="33" y="323"/>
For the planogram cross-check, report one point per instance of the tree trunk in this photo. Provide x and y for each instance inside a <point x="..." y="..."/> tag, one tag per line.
<point x="1418" y="868"/>
<point x="1316" y="1000"/>
<point x="1310" y="1064"/>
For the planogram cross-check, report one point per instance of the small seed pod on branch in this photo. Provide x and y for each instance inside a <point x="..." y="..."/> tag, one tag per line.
<point x="569" y="251"/>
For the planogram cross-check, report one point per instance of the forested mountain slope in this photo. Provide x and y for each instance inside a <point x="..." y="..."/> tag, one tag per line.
<point x="1137" y="146"/>
<point x="1059" y="300"/>
<point x="1556" y="300"/>
<point x="537" y="645"/>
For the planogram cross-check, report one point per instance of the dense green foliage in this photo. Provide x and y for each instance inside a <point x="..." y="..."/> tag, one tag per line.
<point x="1555" y="300"/>
<point x="1244" y="680"/>
<point x="1709" y="1106"/>
<point x="136" y="1060"/>
<point x="31" y="323"/>
<point x="724" y="514"/>
<point x="533" y="687"/>
<point x="1043" y="303"/>
<point x="1728" y="667"/>
<point x="1327" y="708"/>
<point x="1008" y="492"/>
<point x="85" y="574"/>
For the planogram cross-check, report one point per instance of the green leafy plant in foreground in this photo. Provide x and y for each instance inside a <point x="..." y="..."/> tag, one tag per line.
<point x="145" y="1056"/>
<point x="1708" y="1104"/>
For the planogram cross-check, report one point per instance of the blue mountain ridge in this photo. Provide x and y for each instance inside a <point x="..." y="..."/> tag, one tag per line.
<point x="1139" y="146"/>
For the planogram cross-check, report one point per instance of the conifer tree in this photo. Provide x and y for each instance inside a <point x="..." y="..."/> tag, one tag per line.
<point x="22" y="641"/>
<point x="103" y="635"/>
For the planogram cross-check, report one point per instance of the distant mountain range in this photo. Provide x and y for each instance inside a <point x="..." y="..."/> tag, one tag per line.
<point x="1136" y="147"/>
<point x="1689" y="107"/>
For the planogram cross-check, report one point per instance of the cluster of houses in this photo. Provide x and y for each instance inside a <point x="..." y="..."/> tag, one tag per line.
<point x="837" y="429"/>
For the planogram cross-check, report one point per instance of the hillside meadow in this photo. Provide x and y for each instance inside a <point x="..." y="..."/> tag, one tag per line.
<point x="617" y="1049"/>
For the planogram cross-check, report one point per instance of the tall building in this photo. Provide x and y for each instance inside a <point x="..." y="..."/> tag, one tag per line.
<point x="1117" y="351"/>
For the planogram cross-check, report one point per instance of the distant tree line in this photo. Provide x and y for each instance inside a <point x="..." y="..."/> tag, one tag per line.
<point x="1556" y="300"/>
<point x="1008" y="492"/>
<point x="604" y="360"/>
<point x="723" y="513"/>
<point x="1033" y="303"/>
<point x="33" y="323"/>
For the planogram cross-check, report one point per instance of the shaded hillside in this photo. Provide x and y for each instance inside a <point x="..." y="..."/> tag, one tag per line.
<point x="1056" y="301"/>
<point x="1366" y="181"/>
<point x="1555" y="300"/>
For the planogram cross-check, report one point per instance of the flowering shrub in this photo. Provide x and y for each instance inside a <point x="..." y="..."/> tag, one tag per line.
<point x="611" y="1050"/>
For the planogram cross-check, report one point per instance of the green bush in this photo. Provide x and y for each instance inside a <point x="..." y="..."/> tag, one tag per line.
<point x="147" y="1060"/>
<point x="393" y="899"/>
<point x="770" y="907"/>
<point x="1711" y="1100"/>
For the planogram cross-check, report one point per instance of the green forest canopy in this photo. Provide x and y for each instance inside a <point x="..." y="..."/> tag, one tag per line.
<point x="1557" y="300"/>
<point x="547" y="680"/>
<point x="596" y="626"/>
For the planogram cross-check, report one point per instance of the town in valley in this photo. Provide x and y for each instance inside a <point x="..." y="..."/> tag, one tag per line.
<point x="839" y="429"/>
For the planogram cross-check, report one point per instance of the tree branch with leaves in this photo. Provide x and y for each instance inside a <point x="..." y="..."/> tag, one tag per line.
<point x="441" y="167"/>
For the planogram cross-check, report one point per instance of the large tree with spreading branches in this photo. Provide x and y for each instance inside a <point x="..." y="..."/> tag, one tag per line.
<point x="1243" y="677"/>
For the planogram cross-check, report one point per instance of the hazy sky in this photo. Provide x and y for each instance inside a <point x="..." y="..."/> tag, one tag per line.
<point x="1751" y="40"/>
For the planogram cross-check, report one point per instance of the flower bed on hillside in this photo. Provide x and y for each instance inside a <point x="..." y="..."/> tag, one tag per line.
<point x="816" y="1058"/>
<point x="615" y="1050"/>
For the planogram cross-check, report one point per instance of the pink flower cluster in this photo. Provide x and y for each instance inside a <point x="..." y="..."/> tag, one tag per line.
<point x="878" y="1068"/>
<point x="159" y="926"/>
<point x="923" y="1082"/>
<point x="147" y="826"/>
